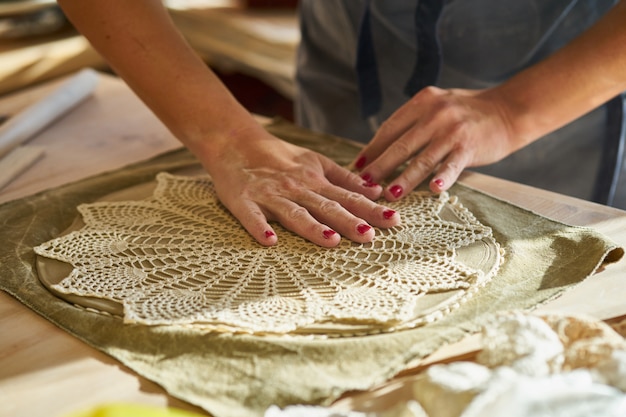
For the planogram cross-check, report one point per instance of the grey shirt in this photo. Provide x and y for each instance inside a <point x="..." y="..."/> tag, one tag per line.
<point x="482" y="43"/>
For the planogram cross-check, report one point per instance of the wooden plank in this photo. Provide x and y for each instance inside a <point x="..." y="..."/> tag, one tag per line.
<point x="109" y="130"/>
<point x="17" y="161"/>
<point x="44" y="61"/>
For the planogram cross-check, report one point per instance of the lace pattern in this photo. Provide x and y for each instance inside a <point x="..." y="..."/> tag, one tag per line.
<point x="178" y="257"/>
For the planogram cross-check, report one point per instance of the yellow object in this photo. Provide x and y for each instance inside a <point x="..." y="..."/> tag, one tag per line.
<point x="132" y="410"/>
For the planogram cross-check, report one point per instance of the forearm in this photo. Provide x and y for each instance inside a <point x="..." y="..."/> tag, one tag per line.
<point x="573" y="81"/>
<point x="257" y="177"/>
<point x="142" y="45"/>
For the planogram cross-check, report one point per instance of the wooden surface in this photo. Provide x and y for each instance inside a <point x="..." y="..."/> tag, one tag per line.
<point x="45" y="371"/>
<point x="258" y="43"/>
<point x="108" y="130"/>
<point x="230" y="38"/>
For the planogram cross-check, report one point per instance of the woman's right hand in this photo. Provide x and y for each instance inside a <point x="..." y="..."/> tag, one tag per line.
<point x="261" y="179"/>
<point x="258" y="177"/>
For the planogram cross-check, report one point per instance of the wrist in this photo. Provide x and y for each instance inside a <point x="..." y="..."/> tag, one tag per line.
<point x="515" y="116"/>
<point x="217" y="144"/>
<point x="528" y="114"/>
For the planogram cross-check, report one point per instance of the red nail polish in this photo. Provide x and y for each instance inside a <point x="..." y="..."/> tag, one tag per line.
<point x="396" y="191"/>
<point x="363" y="228"/>
<point x="368" y="180"/>
<point x="388" y="214"/>
<point x="269" y="233"/>
<point x="328" y="233"/>
<point x="360" y="163"/>
<point x="438" y="182"/>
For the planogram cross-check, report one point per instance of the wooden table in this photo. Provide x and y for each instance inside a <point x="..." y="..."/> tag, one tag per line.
<point x="45" y="371"/>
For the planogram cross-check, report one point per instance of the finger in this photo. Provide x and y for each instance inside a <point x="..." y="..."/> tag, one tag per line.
<point x="399" y="152"/>
<point x="337" y="217"/>
<point x="296" y="218"/>
<point x="407" y="116"/>
<point x="448" y="172"/>
<point x="420" y="167"/>
<point x="254" y="221"/>
<point x="361" y="208"/>
<point x="356" y="195"/>
<point x="394" y="127"/>
<point x="348" y="225"/>
<point x="348" y="180"/>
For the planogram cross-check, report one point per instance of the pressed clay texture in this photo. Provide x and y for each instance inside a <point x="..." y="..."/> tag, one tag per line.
<point x="178" y="257"/>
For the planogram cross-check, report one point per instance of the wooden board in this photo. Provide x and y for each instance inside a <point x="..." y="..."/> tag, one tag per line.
<point x="109" y="130"/>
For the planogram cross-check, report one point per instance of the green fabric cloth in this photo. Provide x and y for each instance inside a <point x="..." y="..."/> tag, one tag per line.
<point x="241" y="375"/>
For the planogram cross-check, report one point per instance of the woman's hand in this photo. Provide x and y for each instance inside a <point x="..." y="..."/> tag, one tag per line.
<point x="438" y="132"/>
<point x="442" y="132"/>
<point x="268" y="179"/>
<point x="257" y="176"/>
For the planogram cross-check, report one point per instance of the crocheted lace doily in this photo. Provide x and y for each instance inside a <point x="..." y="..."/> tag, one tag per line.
<point x="178" y="257"/>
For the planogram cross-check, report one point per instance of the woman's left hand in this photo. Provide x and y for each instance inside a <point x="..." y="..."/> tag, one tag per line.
<point x="438" y="132"/>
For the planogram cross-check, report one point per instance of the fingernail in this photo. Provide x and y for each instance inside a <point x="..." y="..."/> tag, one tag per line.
<point x="396" y="191"/>
<point x="360" y="163"/>
<point x="438" y="182"/>
<point x="363" y="228"/>
<point x="328" y="233"/>
<point x="388" y="214"/>
<point x="269" y="233"/>
<point x="368" y="180"/>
